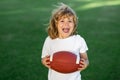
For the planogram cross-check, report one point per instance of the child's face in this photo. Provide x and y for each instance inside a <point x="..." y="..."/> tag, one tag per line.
<point x="65" y="26"/>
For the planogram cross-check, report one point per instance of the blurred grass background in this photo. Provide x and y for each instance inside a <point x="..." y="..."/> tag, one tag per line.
<point x="22" y="33"/>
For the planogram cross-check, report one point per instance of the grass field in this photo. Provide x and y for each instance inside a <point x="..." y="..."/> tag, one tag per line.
<point x="22" y="33"/>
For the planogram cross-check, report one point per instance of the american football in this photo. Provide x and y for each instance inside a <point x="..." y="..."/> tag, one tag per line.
<point x="64" y="62"/>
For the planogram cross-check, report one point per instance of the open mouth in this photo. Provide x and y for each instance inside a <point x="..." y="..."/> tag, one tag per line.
<point x="66" y="30"/>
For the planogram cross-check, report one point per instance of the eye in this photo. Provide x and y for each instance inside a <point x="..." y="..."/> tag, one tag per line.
<point x="70" y="21"/>
<point x="61" y="21"/>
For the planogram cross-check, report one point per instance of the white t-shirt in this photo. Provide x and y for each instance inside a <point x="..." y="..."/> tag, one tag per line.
<point x="75" y="44"/>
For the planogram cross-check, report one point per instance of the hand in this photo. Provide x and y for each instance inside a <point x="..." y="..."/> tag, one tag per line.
<point x="82" y="64"/>
<point x="46" y="61"/>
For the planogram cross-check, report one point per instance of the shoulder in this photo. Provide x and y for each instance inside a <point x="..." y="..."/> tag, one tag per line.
<point x="47" y="39"/>
<point x="79" y="37"/>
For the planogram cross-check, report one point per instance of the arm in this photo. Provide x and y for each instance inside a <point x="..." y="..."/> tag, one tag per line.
<point x="45" y="53"/>
<point x="46" y="61"/>
<point x="84" y="62"/>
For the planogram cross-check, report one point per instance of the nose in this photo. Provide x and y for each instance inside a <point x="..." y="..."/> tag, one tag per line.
<point x="66" y="24"/>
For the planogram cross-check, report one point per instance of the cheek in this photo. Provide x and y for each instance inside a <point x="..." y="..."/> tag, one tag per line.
<point x="60" y="24"/>
<point x="72" y="29"/>
<point x="72" y="26"/>
<point x="59" y="27"/>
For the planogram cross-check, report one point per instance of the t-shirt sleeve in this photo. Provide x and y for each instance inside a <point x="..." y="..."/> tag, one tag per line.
<point x="46" y="48"/>
<point x="83" y="46"/>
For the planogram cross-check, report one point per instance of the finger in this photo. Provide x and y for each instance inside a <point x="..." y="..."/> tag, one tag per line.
<point x="82" y="60"/>
<point x="48" y="56"/>
<point x="81" y="63"/>
<point x="47" y="59"/>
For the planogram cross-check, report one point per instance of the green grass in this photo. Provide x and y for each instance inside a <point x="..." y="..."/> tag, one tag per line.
<point x="22" y="33"/>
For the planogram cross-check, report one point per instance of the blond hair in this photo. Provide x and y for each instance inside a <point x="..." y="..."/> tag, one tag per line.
<point x="58" y="13"/>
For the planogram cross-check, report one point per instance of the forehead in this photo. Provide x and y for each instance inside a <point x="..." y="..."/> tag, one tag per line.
<point x="66" y="16"/>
